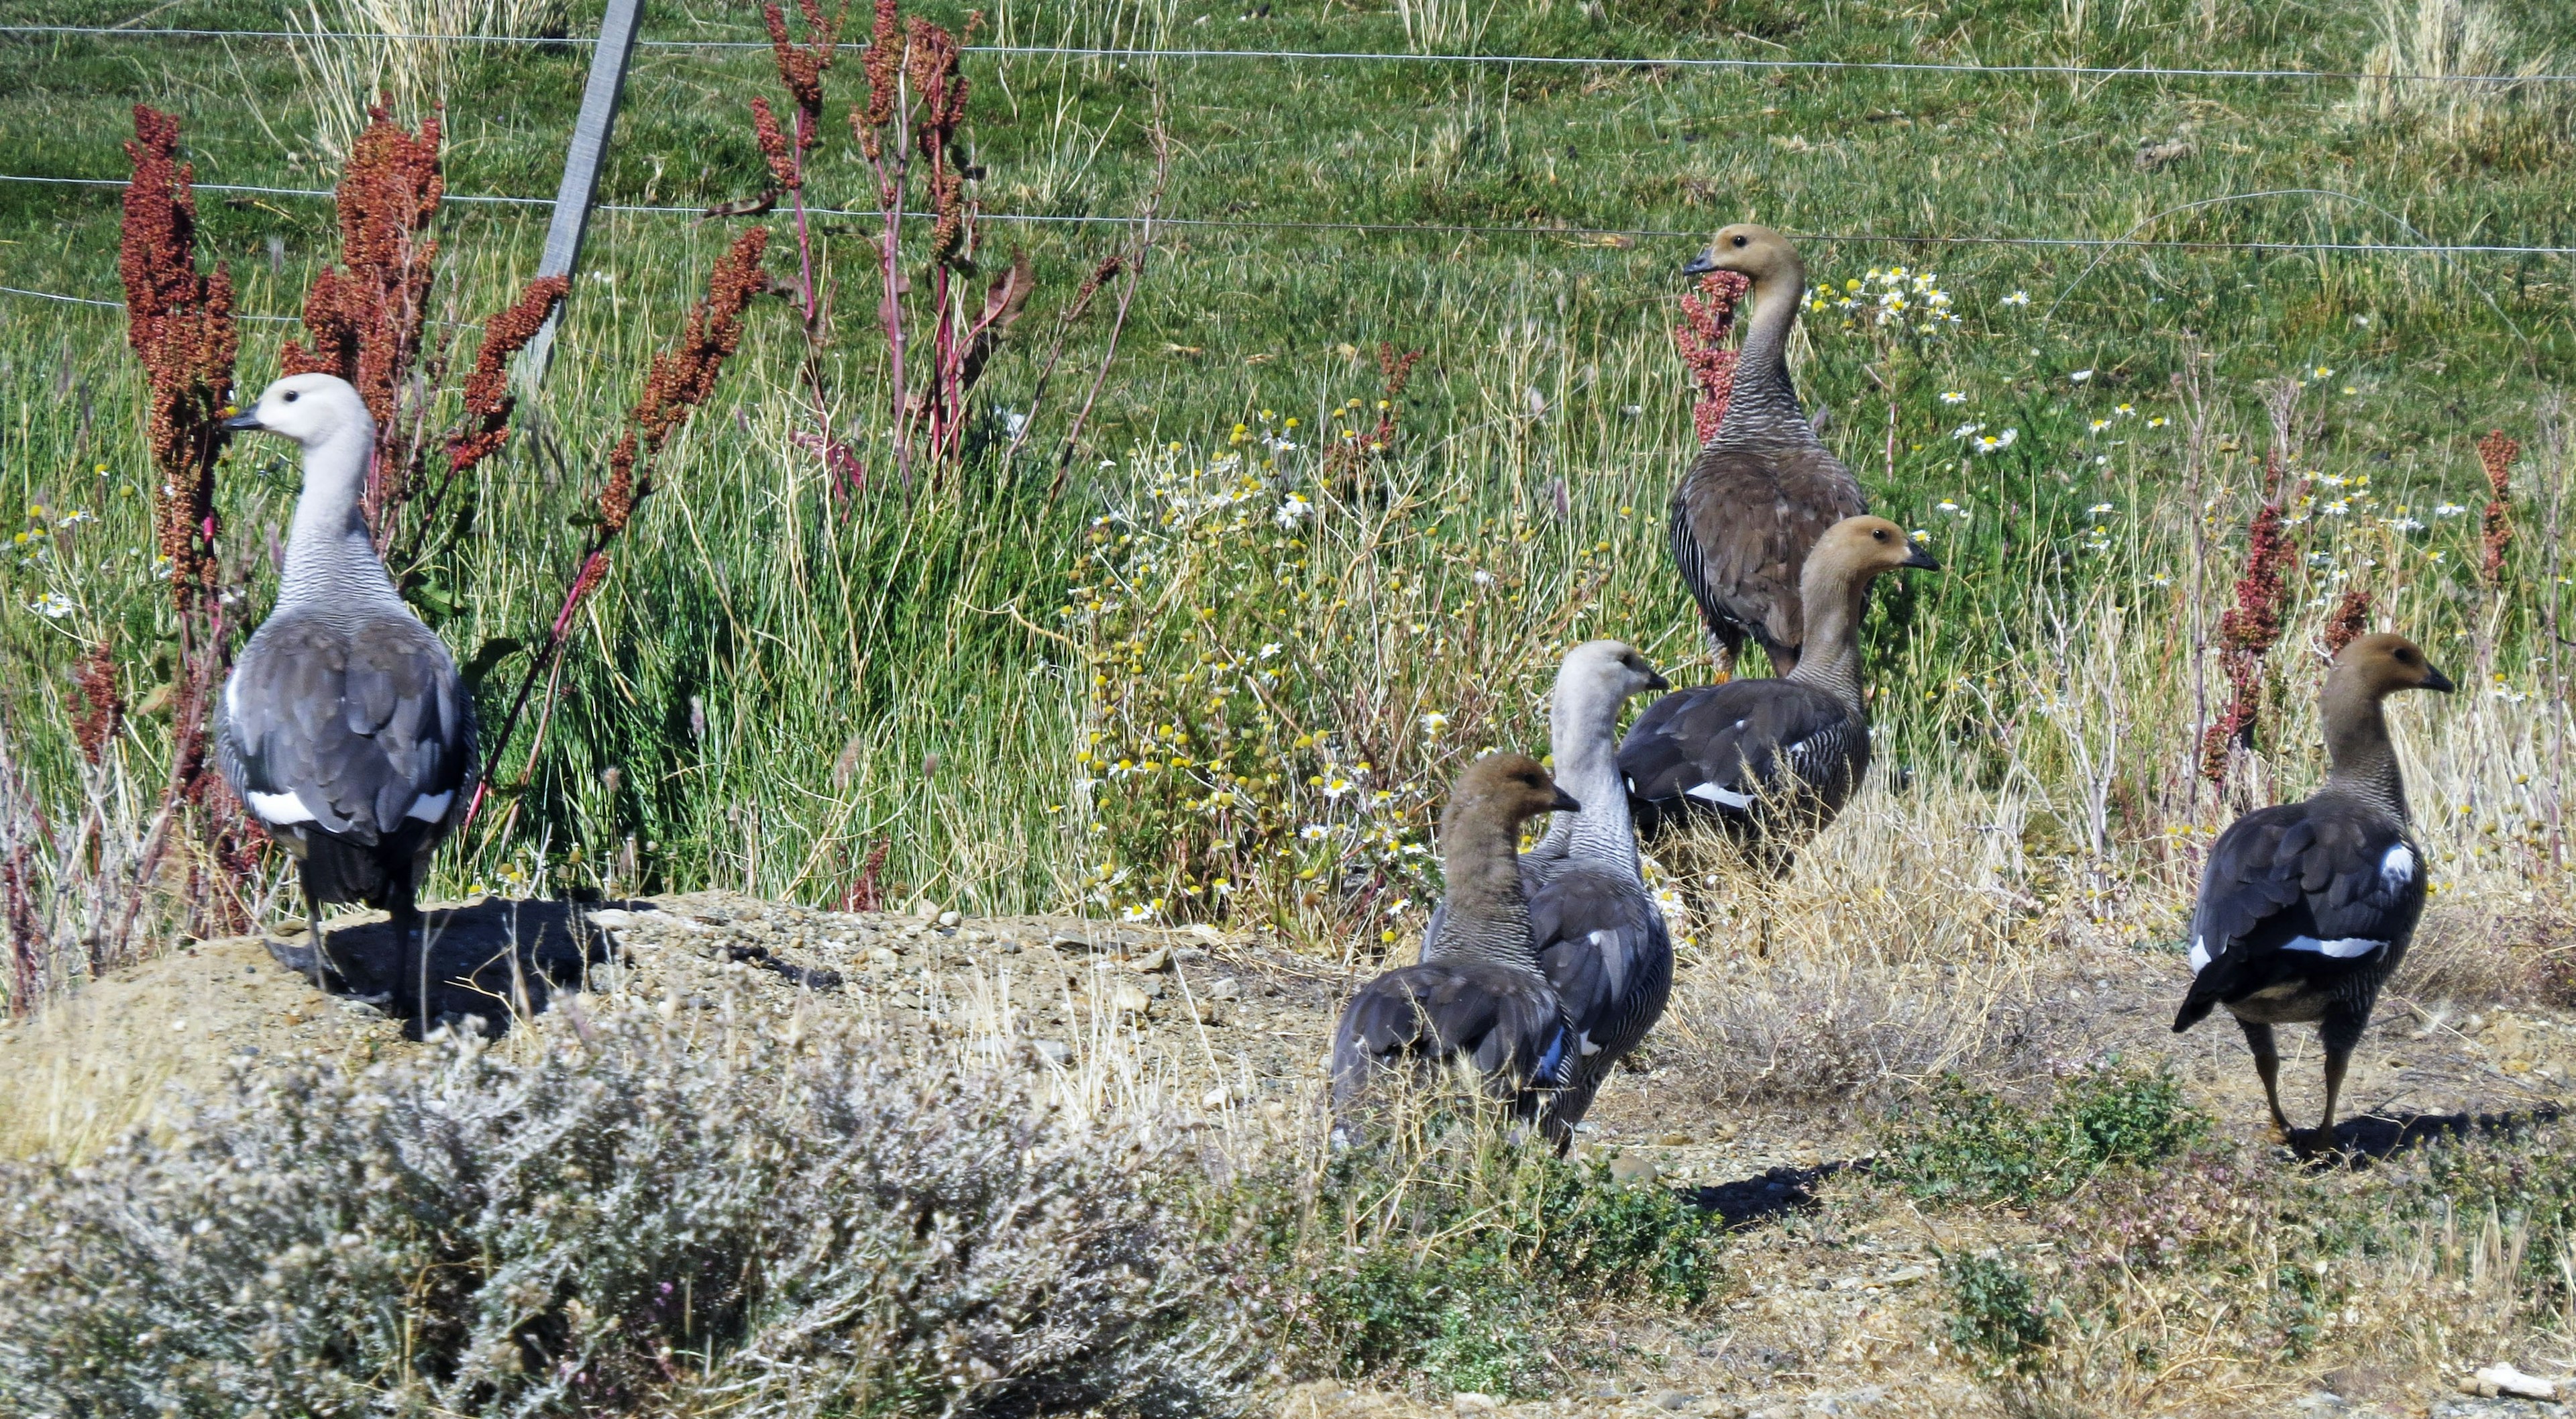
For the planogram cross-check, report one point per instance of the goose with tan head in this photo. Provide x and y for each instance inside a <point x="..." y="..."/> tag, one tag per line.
<point x="1764" y="488"/>
<point x="344" y="727"/>
<point x="2307" y="907"/>
<point x="1479" y="994"/>
<point x="1771" y="762"/>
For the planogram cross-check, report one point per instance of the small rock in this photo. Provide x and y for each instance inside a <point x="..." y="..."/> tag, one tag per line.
<point x="1210" y="1013"/>
<point x="883" y="956"/>
<point x="949" y="918"/>
<point x="1628" y="1170"/>
<point x="1673" y="1399"/>
<point x="1676" y="1140"/>
<point x="1053" y="1051"/>
<point x="1215" y="1098"/>
<point x="1151" y="985"/>
<point x="925" y="909"/>
<point x="1903" y="1274"/>
<point x="1226" y="989"/>
<point x="1158" y="959"/>
<point x="1188" y="954"/>
<point x="1067" y="941"/>
<point x="1126" y="999"/>
<point x="612" y="919"/>
<point x="2501" y="1378"/>
<point x="1469" y="1402"/>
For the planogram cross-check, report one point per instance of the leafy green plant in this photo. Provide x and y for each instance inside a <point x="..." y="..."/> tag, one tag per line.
<point x="1993" y="1311"/>
<point x="1969" y="1145"/>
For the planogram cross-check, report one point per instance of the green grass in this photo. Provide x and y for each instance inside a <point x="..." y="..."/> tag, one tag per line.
<point x="832" y="650"/>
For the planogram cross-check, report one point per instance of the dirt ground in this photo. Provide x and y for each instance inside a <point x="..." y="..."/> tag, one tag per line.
<point x="1841" y="1287"/>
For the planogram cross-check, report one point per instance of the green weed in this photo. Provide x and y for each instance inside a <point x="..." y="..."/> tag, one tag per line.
<point x="1966" y="1145"/>
<point x="1993" y="1311"/>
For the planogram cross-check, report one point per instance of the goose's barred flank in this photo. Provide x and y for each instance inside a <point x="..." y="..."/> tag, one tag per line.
<point x="2307" y="907"/>
<point x="345" y="727"/>
<point x="1765" y="488"/>
<point x="1479" y="994"/>
<point x="1771" y="762"/>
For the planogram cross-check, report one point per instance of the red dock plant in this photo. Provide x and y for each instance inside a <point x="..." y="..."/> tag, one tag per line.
<point x="180" y="324"/>
<point x="2496" y="454"/>
<point x="1707" y="320"/>
<point x="2249" y="629"/>
<point x="2345" y="623"/>
<point x="680" y="380"/>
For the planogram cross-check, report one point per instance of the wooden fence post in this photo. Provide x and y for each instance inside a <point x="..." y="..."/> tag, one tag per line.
<point x="582" y="159"/>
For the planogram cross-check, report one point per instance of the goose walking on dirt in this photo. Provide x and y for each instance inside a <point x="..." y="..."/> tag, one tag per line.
<point x="1479" y="994"/>
<point x="1771" y="762"/>
<point x="2307" y="907"/>
<point x="1765" y="488"/>
<point x="1600" y="937"/>
<point x="345" y="727"/>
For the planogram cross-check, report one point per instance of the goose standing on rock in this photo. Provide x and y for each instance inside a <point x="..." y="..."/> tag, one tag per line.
<point x="2307" y="907"/>
<point x="1772" y="762"/>
<point x="344" y="726"/>
<point x="1479" y="993"/>
<point x="1599" y="935"/>
<point x="1765" y="488"/>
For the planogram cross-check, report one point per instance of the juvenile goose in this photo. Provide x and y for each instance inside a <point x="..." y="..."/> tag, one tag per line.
<point x="2306" y="907"/>
<point x="1765" y="488"/>
<point x="1599" y="935"/>
<point x="1772" y="761"/>
<point x="344" y="727"/>
<point x="1479" y="993"/>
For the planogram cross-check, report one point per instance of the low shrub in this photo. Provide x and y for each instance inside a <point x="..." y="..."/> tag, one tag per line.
<point x="633" y="1225"/>
<point x="1969" y="1145"/>
<point x="1993" y="1312"/>
<point x="1460" y="1262"/>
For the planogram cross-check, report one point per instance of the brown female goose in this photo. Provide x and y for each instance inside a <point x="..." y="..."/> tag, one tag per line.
<point x="1772" y="761"/>
<point x="1765" y="488"/>
<point x="2306" y="907"/>
<point x="1480" y="993"/>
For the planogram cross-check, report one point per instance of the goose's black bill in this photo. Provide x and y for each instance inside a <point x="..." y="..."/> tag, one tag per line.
<point x="1702" y="264"/>
<point x="244" y="422"/>
<point x="1922" y="560"/>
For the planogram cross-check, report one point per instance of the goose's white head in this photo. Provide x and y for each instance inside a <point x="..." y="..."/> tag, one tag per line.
<point x="312" y="409"/>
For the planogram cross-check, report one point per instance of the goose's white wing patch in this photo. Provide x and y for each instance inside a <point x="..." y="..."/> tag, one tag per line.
<point x="278" y="809"/>
<point x="2397" y="868"/>
<point x="429" y="808"/>
<point x="1721" y="796"/>
<point x="2342" y="948"/>
<point x="2199" y="955"/>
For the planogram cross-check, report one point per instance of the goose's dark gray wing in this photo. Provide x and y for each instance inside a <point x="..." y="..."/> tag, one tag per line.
<point x="1743" y="521"/>
<point x="1504" y="1022"/>
<point x="1604" y="946"/>
<point x="351" y="728"/>
<point x="2297" y="891"/>
<point x="1723" y="746"/>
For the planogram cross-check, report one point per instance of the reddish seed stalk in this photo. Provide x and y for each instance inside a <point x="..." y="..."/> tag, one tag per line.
<point x="1707" y="320"/>
<point x="2251" y="627"/>
<point x="2496" y="455"/>
<point x="681" y="380"/>
<point x="180" y="324"/>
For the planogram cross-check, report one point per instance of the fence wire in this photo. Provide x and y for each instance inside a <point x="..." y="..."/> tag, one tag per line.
<point x="2091" y="71"/>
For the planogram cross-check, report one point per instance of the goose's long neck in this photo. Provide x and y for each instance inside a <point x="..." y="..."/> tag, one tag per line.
<point x="2361" y="760"/>
<point x="1488" y="919"/>
<point x="330" y="558"/>
<point x="1829" y="653"/>
<point x="1764" y="407"/>
<point x="1583" y="726"/>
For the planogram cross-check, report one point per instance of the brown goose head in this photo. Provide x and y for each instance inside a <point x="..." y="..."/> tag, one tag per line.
<point x="1504" y="791"/>
<point x="2380" y="665"/>
<point x="1757" y="253"/>
<point x="1856" y="550"/>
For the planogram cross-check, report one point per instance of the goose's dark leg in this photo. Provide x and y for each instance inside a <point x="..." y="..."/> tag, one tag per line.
<point x="2267" y="1065"/>
<point x="313" y="934"/>
<point x="2340" y="1033"/>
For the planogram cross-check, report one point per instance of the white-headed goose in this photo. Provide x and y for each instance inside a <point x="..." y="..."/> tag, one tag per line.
<point x="1772" y="761"/>
<point x="1765" y="487"/>
<point x="2306" y="907"/>
<point x="1599" y="935"/>
<point x="345" y="727"/>
<point x="1479" y="993"/>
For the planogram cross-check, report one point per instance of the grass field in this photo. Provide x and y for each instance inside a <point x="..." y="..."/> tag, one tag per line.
<point x="1223" y="674"/>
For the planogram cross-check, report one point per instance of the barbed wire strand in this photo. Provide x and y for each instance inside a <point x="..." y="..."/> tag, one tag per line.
<point x="2105" y="71"/>
<point x="1437" y="229"/>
